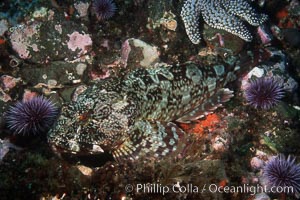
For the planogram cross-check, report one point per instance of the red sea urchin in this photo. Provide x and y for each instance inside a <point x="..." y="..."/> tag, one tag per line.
<point x="34" y="116"/>
<point x="264" y="93"/>
<point x="104" y="9"/>
<point x="283" y="172"/>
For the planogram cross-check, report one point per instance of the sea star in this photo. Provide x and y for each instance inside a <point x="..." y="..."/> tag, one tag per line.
<point x="220" y="14"/>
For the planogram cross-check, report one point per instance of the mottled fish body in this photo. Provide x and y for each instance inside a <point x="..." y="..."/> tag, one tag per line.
<point x="176" y="92"/>
<point x="134" y="115"/>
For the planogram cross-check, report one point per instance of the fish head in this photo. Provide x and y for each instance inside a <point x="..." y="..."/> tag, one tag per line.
<point x="98" y="121"/>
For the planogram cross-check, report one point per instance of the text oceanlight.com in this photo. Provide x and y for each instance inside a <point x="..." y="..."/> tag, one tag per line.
<point x="158" y="188"/>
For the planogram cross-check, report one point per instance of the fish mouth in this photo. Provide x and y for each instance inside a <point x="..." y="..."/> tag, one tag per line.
<point x="88" y="158"/>
<point x="83" y="149"/>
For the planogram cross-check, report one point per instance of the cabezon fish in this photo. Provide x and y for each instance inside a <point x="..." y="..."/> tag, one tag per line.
<point x="136" y="114"/>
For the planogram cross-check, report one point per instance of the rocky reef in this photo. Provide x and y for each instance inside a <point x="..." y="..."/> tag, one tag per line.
<point x="55" y="50"/>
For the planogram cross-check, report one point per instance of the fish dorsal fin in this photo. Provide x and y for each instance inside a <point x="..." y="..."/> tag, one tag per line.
<point x="207" y="106"/>
<point x="149" y="138"/>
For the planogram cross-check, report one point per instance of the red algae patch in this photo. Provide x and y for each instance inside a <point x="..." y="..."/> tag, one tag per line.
<point x="200" y="126"/>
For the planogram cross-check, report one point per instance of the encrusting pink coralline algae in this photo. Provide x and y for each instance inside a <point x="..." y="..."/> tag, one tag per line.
<point x="79" y="41"/>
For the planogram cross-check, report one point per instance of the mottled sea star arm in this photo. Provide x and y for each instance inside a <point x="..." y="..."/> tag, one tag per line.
<point x="217" y="17"/>
<point x="244" y="10"/>
<point x="190" y="14"/>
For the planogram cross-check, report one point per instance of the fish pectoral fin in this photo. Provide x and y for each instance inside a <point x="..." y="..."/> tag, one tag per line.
<point x="155" y="139"/>
<point x="207" y="106"/>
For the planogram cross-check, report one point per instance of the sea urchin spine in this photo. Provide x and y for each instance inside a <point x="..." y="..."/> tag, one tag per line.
<point x="283" y="172"/>
<point x="34" y="116"/>
<point x="104" y="9"/>
<point x="264" y="93"/>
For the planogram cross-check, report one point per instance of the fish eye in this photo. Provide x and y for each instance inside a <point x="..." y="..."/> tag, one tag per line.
<point x="102" y="112"/>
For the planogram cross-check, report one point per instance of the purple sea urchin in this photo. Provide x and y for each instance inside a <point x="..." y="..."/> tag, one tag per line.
<point x="264" y="93"/>
<point x="104" y="9"/>
<point x="32" y="116"/>
<point x="282" y="172"/>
